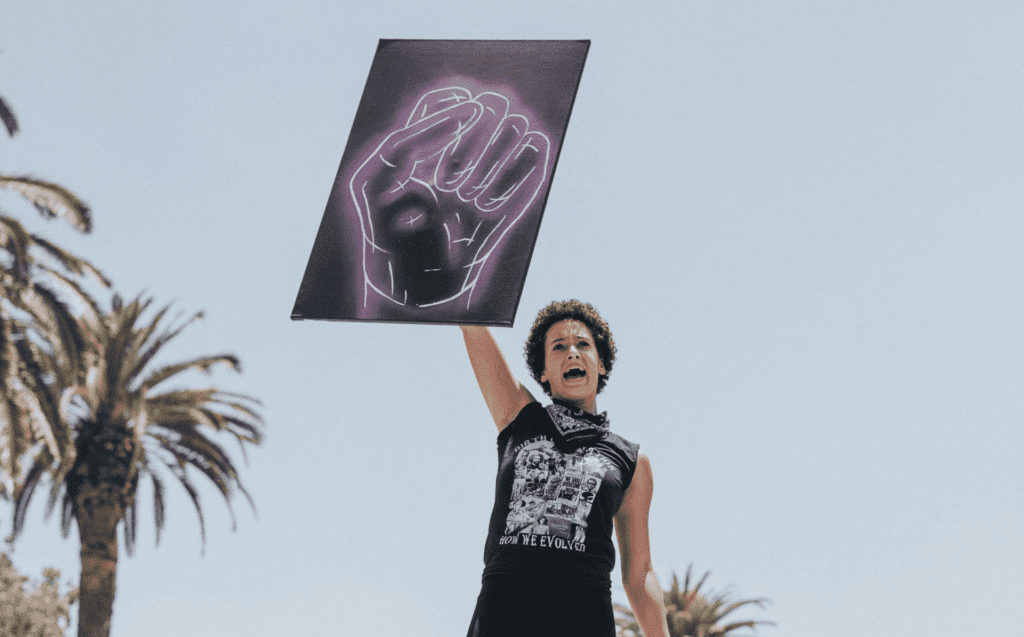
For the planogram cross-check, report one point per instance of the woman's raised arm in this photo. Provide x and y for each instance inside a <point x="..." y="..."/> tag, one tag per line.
<point x="505" y="396"/>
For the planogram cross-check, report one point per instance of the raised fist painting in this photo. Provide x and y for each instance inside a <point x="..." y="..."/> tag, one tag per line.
<point x="441" y="190"/>
<point x="437" y="196"/>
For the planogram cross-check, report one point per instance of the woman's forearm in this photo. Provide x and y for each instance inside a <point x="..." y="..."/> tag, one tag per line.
<point x="648" y="602"/>
<point x="504" y="395"/>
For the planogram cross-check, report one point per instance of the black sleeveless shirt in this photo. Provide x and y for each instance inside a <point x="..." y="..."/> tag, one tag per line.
<point x="561" y="478"/>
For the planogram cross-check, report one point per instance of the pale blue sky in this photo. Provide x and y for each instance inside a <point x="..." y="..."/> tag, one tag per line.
<point x="802" y="220"/>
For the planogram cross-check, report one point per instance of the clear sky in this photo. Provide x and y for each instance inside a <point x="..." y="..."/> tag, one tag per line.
<point x="802" y="220"/>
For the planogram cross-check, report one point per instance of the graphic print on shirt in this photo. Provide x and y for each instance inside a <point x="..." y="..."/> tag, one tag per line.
<point x="552" y="494"/>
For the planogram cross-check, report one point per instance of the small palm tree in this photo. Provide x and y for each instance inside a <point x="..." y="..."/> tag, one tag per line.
<point x="116" y="424"/>
<point x="691" y="613"/>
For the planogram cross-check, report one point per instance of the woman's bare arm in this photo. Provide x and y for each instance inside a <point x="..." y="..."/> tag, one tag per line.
<point x="505" y="396"/>
<point x="638" y="577"/>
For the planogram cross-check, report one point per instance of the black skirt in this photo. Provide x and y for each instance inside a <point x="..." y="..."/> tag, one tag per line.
<point x="518" y="607"/>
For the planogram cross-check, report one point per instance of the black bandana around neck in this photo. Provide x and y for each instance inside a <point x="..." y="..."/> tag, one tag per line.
<point x="576" y="427"/>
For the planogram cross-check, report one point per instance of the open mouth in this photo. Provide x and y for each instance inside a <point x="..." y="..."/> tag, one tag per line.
<point x="575" y="372"/>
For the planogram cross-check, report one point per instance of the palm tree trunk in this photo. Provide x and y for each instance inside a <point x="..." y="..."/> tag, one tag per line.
<point x="98" y="512"/>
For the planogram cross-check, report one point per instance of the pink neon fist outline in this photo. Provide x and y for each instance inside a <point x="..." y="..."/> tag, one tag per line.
<point x="436" y="197"/>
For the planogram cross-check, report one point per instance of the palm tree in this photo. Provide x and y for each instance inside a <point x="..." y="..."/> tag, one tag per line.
<point x="691" y="613"/>
<point x="117" y="424"/>
<point x="35" y="319"/>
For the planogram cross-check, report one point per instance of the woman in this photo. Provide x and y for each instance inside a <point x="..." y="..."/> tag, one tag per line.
<point x="560" y="469"/>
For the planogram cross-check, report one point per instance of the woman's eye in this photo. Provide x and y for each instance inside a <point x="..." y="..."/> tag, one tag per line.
<point x="558" y="347"/>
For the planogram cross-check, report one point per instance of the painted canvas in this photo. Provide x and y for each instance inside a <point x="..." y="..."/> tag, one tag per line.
<point x="439" y="197"/>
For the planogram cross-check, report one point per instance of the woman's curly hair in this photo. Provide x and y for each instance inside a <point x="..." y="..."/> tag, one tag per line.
<point x="559" y="311"/>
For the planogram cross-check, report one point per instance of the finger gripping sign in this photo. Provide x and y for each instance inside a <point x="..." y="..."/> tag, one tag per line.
<point x="439" y="197"/>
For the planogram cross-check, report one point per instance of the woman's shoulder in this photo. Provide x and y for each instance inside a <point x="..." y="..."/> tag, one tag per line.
<point x="629" y="449"/>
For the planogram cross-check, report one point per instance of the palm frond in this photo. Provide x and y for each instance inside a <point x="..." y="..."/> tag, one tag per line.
<point x="187" y="408"/>
<point x="159" y="510"/>
<point x="760" y="602"/>
<point x="16" y="241"/>
<point x="57" y="487"/>
<point x="51" y="200"/>
<point x="179" y="472"/>
<point x="140" y="341"/>
<point x="118" y="339"/>
<point x="747" y="624"/>
<point x="86" y="325"/>
<point x="239" y="404"/>
<point x="26" y="404"/>
<point x="201" y="363"/>
<point x="92" y="313"/>
<point x="7" y="117"/>
<point x="206" y="456"/>
<point x="67" y="515"/>
<point x="223" y="485"/>
<point x="12" y="444"/>
<point x="149" y="352"/>
<point x="24" y="495"/>
<point x="71" y="262"/>
<point x="245" y="430"/>
<point x="39" y="408"/>
<point x="54" y="321"/>
<point x="12" y="433"/>
<point x="131" y="526"/>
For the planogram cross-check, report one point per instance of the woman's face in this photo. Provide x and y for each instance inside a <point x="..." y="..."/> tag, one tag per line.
<point x="571" y="363"/>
